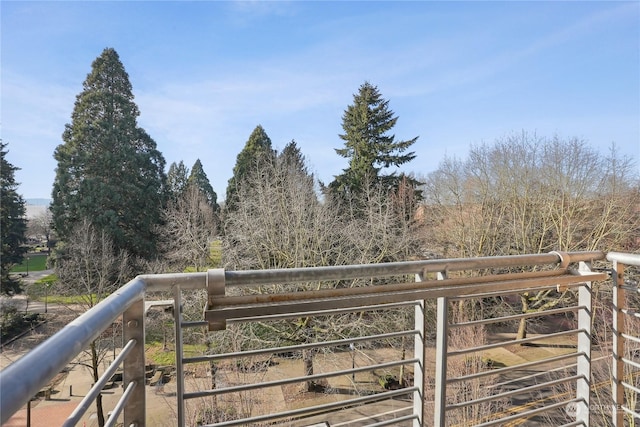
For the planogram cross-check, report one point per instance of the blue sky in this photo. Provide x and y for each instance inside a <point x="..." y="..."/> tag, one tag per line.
<point x="205" y="73"/>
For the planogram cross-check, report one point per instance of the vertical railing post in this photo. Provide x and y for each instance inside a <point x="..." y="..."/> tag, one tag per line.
<point x="134" y="364"/>
<point x="442" y="345"/>
<point x="420" y="347"/>
<point x="585" y="317"/>
<point x="177" y="320"/>
<point x="618" y="344"/>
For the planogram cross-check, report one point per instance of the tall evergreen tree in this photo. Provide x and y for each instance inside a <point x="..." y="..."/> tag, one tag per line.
<point x="368" y="145"/>
<point x="109" y="169"/>
<point x="257" y="148"/>
<point x="13" y="224"/>
<point x="199" y="178"/>
<point x="177" y="179"/>
<point x="293" y="157"/>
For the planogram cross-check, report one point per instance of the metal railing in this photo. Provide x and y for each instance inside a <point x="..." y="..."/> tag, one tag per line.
<point x="233" y="299"/>
<point x="623" y="365"/>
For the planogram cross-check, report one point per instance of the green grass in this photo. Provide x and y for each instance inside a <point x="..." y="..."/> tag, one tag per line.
<point x="216" y="254"/>
<point x="215" y="257"/>
<point x="42" y="288"/>
<point x="49" y="280"/>
<point x="32" y="262"/>
<point x="156" y="355"/>
<point x="69" y="299"/>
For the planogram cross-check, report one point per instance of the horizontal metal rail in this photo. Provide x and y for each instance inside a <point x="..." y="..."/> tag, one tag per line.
<point x="531" y="376"/>
<point x="194" y="324"/>
<point x="225" y="301"/>
<point x="624" y="258"/>
<point x="531" y="413"/>
<point x="335" y="299"/>
<point x="626" y="409"/>
<point x="631" y="387"/>
<point x="504" y="370"/>
<point x="394" y="421"/>
<point x="362" y="419"/>
<point x="630" y="312"/>
<point x="630" y="363"/>
<point x="516" y="317"/>
<point x="296" y="314"/>
<point x="513" y="342"/>
<point x="276" y="350"/>
<point x="512" y="392"/>
<point x="317" y="409"/>
<point x="246" y="387"/>
<point x="630" y="338"/>
<point x="290" y="275"/>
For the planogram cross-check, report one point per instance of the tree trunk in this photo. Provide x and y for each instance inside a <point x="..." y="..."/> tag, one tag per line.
<point x="96" y="377"/>
<point x="522" y="328"/>
<point x="164" y="337"/>
<point x="213" y="370"/>
<point x="307" y="360"/>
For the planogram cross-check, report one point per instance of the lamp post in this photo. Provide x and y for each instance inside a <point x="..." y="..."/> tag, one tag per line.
<point x="46" y="292"/>
<point x="27" y="266"/>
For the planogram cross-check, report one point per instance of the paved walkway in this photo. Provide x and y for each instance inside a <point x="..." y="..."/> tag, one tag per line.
<point x="69" y="392"/>
<point x="55" y="411"/>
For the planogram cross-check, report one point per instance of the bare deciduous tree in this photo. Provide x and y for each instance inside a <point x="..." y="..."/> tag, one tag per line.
<point x="189" y="230"/>
<point x="527" y="194"/>
<point x="41" y="225"/>
<point x="89" y="269"/>
<point x="279" y="222"/>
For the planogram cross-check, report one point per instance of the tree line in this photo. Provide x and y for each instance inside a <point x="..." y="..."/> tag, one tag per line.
<point x="521" y="194"/>
<point x="111" y="175"/>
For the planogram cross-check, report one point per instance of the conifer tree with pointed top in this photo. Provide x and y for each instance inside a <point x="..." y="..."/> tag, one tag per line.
<point x="199" y="179"/>
<point x="369" y="146"/>
<point x="109" y="169"/>
<point x="292" y="156"/>
<point x="13" y="224"/>
<point x="257" y="148"/>
<point x="177" y="179"/>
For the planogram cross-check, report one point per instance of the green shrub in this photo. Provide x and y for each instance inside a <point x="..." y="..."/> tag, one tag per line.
<point x="13" y="323"/>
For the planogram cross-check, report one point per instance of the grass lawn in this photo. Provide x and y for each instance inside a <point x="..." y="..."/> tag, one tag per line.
<point x="158" y="356"/>
<point x="31" y="262"/>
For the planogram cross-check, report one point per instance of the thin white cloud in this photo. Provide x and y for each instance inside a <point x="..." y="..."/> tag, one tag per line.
<point x="33" y="117"/>
<point x="480" y="71"/>
<point x="450" y="86"/>
<point x="37" y="109"/>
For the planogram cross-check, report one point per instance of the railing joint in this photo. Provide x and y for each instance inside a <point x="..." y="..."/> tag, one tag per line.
<point x="216" y="288"/>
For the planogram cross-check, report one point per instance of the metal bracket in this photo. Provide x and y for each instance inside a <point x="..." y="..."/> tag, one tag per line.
<point x="215" y="289"/>
<point x="564" y="258"/>
<point x="564" y="263"/>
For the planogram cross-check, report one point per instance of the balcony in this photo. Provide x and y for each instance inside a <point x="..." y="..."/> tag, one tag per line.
<point x="402" y="344"/>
